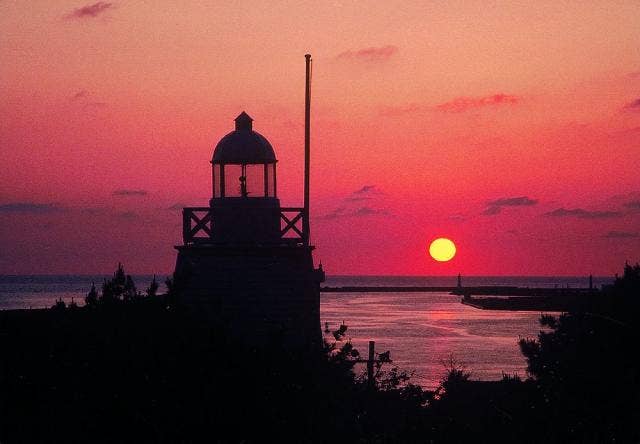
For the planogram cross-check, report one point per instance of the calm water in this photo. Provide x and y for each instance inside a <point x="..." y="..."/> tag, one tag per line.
<point x="422" y="330"/>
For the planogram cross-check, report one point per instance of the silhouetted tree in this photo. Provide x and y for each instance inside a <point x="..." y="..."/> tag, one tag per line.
<point x="119" y="288"/>
<point x="91" y="300"/>
<point x="119" y="282"/>
<point x="59" y="305"/>
<point x="152" y="289"/>
<point x="114" y="288"/>
<point x="129" y="291"/>
<point x="585" y="365"/>
<point x="340" y="332"/>
<point x="456" y="376"/>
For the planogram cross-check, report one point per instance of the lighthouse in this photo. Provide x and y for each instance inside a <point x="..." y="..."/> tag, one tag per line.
<point x="246" y="261"/>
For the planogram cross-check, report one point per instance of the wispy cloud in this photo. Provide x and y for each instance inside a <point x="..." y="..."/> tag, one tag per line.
<point x="512" y="201"/>
<point x="457" y="217"/>
<point x="367" y="192"/>
<point x="94" y="105"/>
<point x="368" y="211"/>
<point x="370" y="55"/>
<point x="338" y="212"/>
<point x="90" y="11"/>
<point x="82" y="94"/>
<point x="177" y="206"/>
<point x="83" y="98"/>
<point x="357" y="198"/>
<point x="127" y="193"/>
<point x="400" y="110"/>
<point x="92" y="211"/>
<point x="350" y="208"/>
<point x="583" y="214"/>
<point x="634" y="105"/>
<point x="633" y="205"/>
<point x="31" y="207"/>
<point x="461" y="104"/>
<point x="365" y="189"/>
<point x="621" y="235"/>
<point x="495" y="206"/>
<point x="356" y="212"/>
<point x="492" y="211"/>
<point x="127" y="215"/>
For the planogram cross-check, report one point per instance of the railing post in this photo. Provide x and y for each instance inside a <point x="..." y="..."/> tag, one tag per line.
<point x="186" y="225"/>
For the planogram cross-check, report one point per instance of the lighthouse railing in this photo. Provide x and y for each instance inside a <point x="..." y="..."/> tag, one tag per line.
<point x="292" y="223"/>
<point x="197" y="225"/>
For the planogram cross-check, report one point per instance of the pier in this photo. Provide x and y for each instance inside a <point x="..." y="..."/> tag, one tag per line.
<point x="478" y="290"/>
<point x="493" y="297"/>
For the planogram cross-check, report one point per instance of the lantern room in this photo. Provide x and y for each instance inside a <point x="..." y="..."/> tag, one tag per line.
<point x="244" y="208"/>
<point x="243" y="164"/>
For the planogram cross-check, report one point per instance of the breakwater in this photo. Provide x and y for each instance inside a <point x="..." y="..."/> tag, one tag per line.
<point x="493" y="290"/>
<point x="387" y="289"/>
<point x="492" y="297"/>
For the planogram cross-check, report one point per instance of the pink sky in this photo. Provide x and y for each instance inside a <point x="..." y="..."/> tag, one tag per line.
<point x="513" y="129"/>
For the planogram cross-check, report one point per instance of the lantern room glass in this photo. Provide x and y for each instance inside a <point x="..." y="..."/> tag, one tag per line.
<point x="244" y="180"/>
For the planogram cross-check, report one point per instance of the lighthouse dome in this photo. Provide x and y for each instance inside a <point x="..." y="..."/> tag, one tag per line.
<point x="243" y="146"/>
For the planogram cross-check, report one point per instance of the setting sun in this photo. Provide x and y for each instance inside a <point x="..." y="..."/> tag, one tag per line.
<point x="442" y="249"/>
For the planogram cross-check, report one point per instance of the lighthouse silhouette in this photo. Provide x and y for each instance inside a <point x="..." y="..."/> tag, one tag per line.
<point x="246" y="261"/>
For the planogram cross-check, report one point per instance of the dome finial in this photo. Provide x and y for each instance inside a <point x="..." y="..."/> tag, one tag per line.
<point x="244" y="122"/>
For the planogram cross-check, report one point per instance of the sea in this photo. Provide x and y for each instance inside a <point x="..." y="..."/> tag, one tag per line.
<point x="425" y="332"/>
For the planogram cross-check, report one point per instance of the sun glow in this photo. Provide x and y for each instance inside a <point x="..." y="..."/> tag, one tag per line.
<point x="442" y="249"/>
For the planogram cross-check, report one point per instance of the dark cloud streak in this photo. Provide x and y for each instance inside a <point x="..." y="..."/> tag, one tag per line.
<point x="349" y="207"/>
<point x="357" y="198"/>
<point x="366" y="189"/>
<point x="370" y="55"/>
<point x="367" y="192"/>
<point x="621" y="235"/>
<point x="400" y="110"/>
<point x="512" y="202"/>
<point x="462" y="104"/>
<point x="358" y="212"/>
<point x="581" y="213"/>
<point x="633" y="205"/>
<point x="127" y="193"/>
<point x="79" y="95"/>
<point x="633" y="105"/>
<point x="495" y="206"/>
<point x="127" y="215"/>
<point x="368" y="211"/>
<point x="31" y="207"/>
<point x="90" y="11"/>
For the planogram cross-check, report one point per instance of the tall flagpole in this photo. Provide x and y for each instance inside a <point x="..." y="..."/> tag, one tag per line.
<point x="307" y="153"/>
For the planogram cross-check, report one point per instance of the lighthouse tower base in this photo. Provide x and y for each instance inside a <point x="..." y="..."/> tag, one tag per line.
<point x="258" y="293"/>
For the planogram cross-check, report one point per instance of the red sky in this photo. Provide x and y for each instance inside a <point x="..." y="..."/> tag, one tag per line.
<point x="511" y="128"/>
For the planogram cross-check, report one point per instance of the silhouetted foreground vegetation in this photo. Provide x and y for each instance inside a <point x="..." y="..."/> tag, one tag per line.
<point x="130" y="367"/>
<point x="586" y="367"/>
